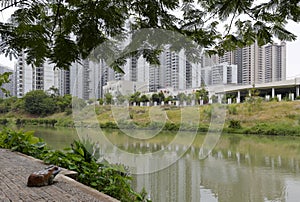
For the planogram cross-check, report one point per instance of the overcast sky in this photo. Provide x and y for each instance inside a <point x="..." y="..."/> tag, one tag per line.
<point x="293" y="49"/>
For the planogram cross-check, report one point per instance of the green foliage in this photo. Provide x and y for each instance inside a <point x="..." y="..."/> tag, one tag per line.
<point x="43" y="28"/>
<point x="161" y="97"/>
<point x="44" y="122"/>
<point x="39" y="103"/>
<point x="253" y="104"/>
<point x="214" y="99"/>
<point x="4" y="78"/>
<point x="234" y="124"/>
<point x="144" y="98"/>
<point x="232" y="109"/>
<point x="208" y="111"/>
<point x="171" y="126"/>
<point x="202" y="94"/>
<point x="121" y="98"/>
<point x="108" y="98"/>
<point x="274" y="99"/>
<point x="135" y="97"/>
<point x="78" y="103"/>
<point x="273" y="129"/>
<point x="169" y="99"/>
<point x="181" y="97"/>
<point x="4" y="122"/>
<point x="63" y="102"/>
<point x="101" y="101"/>
<point x="113" y="180"/>
<point x="155" y="98"/>
<point x="22" y="142"/>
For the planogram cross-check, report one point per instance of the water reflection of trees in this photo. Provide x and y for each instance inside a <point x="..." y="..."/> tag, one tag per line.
<point x="227" y="174"/>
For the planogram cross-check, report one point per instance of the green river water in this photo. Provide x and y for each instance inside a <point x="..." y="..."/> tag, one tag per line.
<point x="239" y="169"/>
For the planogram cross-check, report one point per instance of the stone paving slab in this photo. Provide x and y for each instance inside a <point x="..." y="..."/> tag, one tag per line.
<point x="14" y="171"/>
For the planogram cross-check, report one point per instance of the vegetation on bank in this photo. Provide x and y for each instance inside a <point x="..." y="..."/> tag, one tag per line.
<point x="254" y="116"/>
<point x="113" y="180"/>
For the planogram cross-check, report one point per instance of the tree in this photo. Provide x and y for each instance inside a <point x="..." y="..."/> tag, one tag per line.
<point x="108" y="98"/>
<point x="161" y="96"/>
<point x="202" y="94"/>
<point x="121" y="98"/>
<point x="155" y="98"/>
<point x="101" y="101"/>
<point x="64" y="31"/>
<point x="64" y="102"/>
<point x="135" y="97"/>
<point x="39" y="103"/>
<point x="169" y="98"/>
<point x="144" y="98"/>
<point x="53" y="91"/>
<point x="181" y="97"/>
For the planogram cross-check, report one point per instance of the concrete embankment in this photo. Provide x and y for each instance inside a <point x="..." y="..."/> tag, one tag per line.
<point x="15" y="169"/>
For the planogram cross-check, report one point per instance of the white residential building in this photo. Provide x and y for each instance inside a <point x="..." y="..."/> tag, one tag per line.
<point x="220" y="74"/>
<point x="124" y="87"/>
<point x="255" y="64"/>
<point x="28" y="77"/>
<point x="275" y="62"/>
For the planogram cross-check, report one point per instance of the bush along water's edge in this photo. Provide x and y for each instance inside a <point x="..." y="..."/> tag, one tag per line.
<point x="110" y="179"/>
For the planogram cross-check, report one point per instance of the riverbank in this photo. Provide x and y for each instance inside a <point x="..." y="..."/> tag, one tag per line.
<point x="264" y="118"/>
<point x="111" y="179"/>
<point x="15" y="169"/>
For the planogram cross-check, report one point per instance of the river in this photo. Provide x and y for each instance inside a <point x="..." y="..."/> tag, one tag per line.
<point x="240" y="168"/>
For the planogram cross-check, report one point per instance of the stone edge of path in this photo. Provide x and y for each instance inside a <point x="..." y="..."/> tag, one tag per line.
<point x="69" y="176"/>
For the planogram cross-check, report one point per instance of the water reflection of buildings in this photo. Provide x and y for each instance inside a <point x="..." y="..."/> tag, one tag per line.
<point x="224" y="176"/>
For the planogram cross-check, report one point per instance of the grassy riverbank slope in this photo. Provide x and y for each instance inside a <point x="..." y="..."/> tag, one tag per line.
<point x="265" y="118"/>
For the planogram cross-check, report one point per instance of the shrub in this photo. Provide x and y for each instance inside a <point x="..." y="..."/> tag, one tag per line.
<point x="39" y="103"/>
<point x="113" y="180"/>
<point x="171" y="126"/>
<point x="232" y="109"/>
<point x="236" y="124"/>
<point x="3" y="122"/>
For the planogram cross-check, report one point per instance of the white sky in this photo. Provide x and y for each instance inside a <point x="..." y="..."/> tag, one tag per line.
<point x="293" y="49"/>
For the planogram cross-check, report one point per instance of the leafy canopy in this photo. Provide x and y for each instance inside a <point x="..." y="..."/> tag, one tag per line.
<point x="64" y="31"/>
<point x="4" y="78"/>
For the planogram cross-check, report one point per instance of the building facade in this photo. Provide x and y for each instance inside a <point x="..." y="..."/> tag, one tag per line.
<point x="221" y="74"/>
<point x="29" y="77"/>
<point x="255" y="64"/>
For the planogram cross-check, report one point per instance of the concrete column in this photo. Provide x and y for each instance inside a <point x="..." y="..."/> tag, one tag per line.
<point x="297" y="91"/>
<point x="220" y="99"/>
<point x="279" y="97"/>
<point x="193" y="103"/>
<point x="292" y="96"/>
<point x="238" y="99"/>
<point x="273" y="92"/>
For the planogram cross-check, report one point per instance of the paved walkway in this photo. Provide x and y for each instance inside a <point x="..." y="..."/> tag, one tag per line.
<point x="14" y="171"/>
